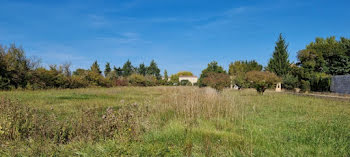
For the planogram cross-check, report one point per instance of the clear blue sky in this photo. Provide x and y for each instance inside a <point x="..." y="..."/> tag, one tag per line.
<point x="178" y="34"/>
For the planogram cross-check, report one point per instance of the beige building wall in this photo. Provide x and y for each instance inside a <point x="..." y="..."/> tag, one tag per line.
<point x="192" y="79"/>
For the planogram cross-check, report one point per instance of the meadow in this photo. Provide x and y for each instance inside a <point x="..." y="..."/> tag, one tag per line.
<point x="171" y="121"/>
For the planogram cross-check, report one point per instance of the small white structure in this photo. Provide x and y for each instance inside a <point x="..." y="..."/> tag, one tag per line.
<point x="278" y="87"/>
<point x="192" y="79"/>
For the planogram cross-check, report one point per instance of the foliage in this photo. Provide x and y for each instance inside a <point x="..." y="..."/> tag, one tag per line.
<point x="217" y="81"/>
<point x="185" y="73"/>
<point x="140" y="80"/>
<point x="240" y="81"/>
<point x="17" y="66"/>
<point x="326" y="56"/>
<point x="127" y="69"/>
<point x="92" y="78"/>
<point x="142" y="70"/>
<point x="19" y="72"/>
<point x="320" y="82"/>
<point x="279" y="63"/>
<point x="137" y="80"/>
<point x="290" y="82"/>
<point x="185" y="83"/>
<point x="107" y="69"/>
<point x="151" y="80"/>
<point x="262" y="80"/>
<point x="121" y="81"/>
<point x="305" y="86"/>
<point x="212" y="67"/>
<point x="174" y="79"/>
<point x="238" y="70"/>
<point x="153" y="70"/>
<point x="95" y="68"/>
<point x="242" y="67"/>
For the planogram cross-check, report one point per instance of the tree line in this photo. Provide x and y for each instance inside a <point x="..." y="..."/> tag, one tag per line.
<point x="320" y="60"/>
<point x="315" y="65"/>
<point x="20" y="72"/>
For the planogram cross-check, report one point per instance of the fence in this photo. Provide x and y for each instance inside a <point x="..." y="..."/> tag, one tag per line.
<point x="341" y="84"/>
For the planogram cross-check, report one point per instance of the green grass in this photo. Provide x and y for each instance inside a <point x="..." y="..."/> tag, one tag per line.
<point x="186" y="121"/>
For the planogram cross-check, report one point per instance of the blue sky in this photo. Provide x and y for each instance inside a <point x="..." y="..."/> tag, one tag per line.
<point x="178" y="34"/>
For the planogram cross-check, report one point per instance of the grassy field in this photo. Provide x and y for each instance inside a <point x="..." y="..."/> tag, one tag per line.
<point x="171" y="121"/>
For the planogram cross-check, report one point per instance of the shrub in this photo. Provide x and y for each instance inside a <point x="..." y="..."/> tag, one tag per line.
<point x="262" y="80"/>
<point x="174" y="79"/>
<point x="121" y="81"/>
<point x="137" y="80"/>
<point x="151" y="80"/>
<point x="185" y="83"/>
<point x="320" y="82"/>
<point x="96" y="79"/>
<point x="240" y="81"/>
<point x="304" y="86"/>
<point x="290" y="82"/>
<point x="217" y="81"/>
<point x="78" y="82"/>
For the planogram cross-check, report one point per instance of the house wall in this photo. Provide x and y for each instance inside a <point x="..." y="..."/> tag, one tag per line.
<point x="193" y="80"/>
<point x="341" y="84"/>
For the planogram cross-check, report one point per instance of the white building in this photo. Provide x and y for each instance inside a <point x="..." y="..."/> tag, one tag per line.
<point x="192" y="79"/>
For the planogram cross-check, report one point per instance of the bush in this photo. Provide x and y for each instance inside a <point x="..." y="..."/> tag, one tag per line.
<point x="137" y="80"/>
<point x="78" y="82"/>
<point x="304" y="86"/>
<point x="240" y="81"/>
<point x="140" y="80"/>
<point x="151" y="80"/>
<point x="96" y="79"/>
<point x="185" y="83"/>
<point x="120" y="81"/>
<point x="217" y="81"/>
<point x="262" y="80"/>
<point x="320" y="82"/>
<point x="290" y="82"/>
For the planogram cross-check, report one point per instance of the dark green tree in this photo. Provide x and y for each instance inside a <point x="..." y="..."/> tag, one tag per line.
<point x="142" y="69"/>
<point x="95" y="68"/>
<point x="128" y="69"/>
<point x="17" y="66"/>
<point x="279" y="63"/>
<point x="107" y="69"/>
<point x="119" y="71"/>
<point x="4" y="76"/>
<point x="153" y="70"/>
<point x="326" y="56"/>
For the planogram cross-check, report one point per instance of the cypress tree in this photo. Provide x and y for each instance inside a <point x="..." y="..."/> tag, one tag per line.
<point x="279" y="63"/>
<point x="128" y="69"/>
<point x="107" y="69"/>
<point x="154" y="70"/>
<point x="142" y="69"/>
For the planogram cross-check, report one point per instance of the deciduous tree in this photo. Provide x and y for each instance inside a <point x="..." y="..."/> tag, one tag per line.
<point x="261" y="80"/>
